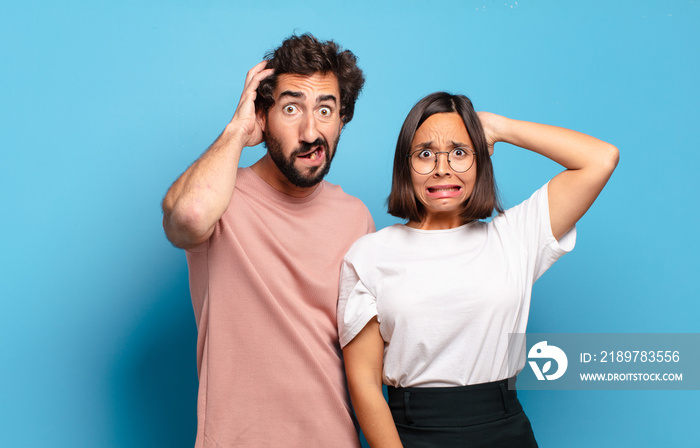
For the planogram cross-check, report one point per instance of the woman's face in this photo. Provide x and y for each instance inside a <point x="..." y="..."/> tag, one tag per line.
<point x="442" y="191"/>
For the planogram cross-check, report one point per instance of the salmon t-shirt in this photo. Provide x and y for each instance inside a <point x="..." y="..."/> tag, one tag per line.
<point x="264" y="290"/>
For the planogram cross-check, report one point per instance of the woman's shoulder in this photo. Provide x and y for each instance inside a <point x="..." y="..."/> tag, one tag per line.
<point x="531" y="205"/>
<point x="373" y="242"/>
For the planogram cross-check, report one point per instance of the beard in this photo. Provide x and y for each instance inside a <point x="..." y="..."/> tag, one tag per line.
<point x="290" y="171"/>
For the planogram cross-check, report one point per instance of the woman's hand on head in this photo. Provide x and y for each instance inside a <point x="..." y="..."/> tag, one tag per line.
<point x="494" y="126"/>
<point x="589" y="163"/>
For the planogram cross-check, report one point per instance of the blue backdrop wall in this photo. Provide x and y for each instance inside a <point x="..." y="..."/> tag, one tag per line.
<point x="103" y="104"/>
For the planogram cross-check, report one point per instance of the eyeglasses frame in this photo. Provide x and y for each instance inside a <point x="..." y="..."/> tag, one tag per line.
<point x="409" y="157"/>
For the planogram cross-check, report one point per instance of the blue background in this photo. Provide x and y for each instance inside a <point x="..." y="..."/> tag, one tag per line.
<point x="103" y="105"/>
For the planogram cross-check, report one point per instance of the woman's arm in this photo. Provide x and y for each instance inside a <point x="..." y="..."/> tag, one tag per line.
<point x="364" y="359"/>
<point x="589" y="163"/>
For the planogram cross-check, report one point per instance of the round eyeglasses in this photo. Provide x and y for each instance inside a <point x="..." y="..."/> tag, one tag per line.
<point x="424" y="161"/>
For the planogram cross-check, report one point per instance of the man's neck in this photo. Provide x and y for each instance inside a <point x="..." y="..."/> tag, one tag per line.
<point x="268" y="171"/>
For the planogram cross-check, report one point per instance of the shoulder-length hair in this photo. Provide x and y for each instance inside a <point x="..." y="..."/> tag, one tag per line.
<point x="402" y="201"/>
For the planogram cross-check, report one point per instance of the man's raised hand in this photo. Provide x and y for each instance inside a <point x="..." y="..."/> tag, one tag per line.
<point x="244" y="119"/>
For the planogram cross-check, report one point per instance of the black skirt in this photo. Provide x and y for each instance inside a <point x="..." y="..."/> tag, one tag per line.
<point x="481" y="415"/>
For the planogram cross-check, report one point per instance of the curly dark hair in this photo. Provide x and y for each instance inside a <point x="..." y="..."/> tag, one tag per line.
<point x="402" y="201"/>
<point x="306" y="55"/>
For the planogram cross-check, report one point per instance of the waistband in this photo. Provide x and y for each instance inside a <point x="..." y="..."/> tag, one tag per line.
<point x="453" y="406"/>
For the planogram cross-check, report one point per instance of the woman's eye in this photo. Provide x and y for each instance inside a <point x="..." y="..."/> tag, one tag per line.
<point x="459" y="152"/>
<point x="425" y="154"/>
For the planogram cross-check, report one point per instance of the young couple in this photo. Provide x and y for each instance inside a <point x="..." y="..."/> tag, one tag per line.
<point x="424" y="307"/>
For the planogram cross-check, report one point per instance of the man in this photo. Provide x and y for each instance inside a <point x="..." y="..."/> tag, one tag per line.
<point x="264" y="246"/>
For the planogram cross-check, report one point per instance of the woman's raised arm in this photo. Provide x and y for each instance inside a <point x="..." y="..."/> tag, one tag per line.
<point x="589" y="163"/>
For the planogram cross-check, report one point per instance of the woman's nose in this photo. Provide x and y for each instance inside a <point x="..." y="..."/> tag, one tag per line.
<point x="443" y="165"/>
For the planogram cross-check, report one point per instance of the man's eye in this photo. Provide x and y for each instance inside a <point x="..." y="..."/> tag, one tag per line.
<point x="290" y="109"/>
<point x="325" y="111"/>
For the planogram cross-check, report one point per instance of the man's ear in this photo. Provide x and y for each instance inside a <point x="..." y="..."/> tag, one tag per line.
<point x="261" y="118"/>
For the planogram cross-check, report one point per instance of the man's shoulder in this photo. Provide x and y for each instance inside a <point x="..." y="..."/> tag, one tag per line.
<point x="336" y="191"/>
<point x="336" y="194"/>
<point x="344" y="211"/>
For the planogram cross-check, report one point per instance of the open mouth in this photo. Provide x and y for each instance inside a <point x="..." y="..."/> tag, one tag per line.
<point x="314" y="154"/>
<point x="443" y="191"/>
<point x="448" y="188"/>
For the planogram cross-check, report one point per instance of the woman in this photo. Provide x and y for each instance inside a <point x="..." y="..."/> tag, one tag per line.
<point x="426" y="307"/>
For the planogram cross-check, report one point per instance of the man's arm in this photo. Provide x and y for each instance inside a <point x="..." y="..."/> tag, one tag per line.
<point x="196" y="201"/>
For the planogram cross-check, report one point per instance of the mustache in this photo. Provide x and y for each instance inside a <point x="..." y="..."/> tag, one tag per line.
<point x="306" y="147"/>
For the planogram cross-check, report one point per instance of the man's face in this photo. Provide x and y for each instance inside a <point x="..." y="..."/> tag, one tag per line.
<point x="303" y="127"/>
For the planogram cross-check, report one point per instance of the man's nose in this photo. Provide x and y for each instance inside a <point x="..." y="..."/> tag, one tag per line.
<point x="309" y="131"/>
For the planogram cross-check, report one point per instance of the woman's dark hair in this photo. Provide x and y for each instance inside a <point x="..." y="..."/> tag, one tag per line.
<point x="306" y="55"/>
<point x="402" y="201"/>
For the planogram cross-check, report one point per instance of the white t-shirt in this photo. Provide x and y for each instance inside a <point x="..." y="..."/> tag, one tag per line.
<point x="446" y="300"/>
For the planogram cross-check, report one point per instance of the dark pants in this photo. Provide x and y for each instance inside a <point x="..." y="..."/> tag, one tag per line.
<point x="482" y="415"/>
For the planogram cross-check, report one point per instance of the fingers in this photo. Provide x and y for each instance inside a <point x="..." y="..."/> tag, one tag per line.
<point x="252" y="82"/>
<point x="260" y="66"/>
<point x="255" y="81"/>
<point x="257" y="74"/>
<point x="493" y="126"/>
<point x="253" y="78"/>
<point x="245" y="117"/>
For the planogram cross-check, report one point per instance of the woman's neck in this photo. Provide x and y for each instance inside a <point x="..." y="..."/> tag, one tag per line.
<point x="438" y="221"/>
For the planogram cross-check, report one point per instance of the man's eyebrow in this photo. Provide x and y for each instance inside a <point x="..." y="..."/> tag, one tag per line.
<point x="293" y="94"/>
<point x="301" y="95"/>
<point x="328" y="97"/>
